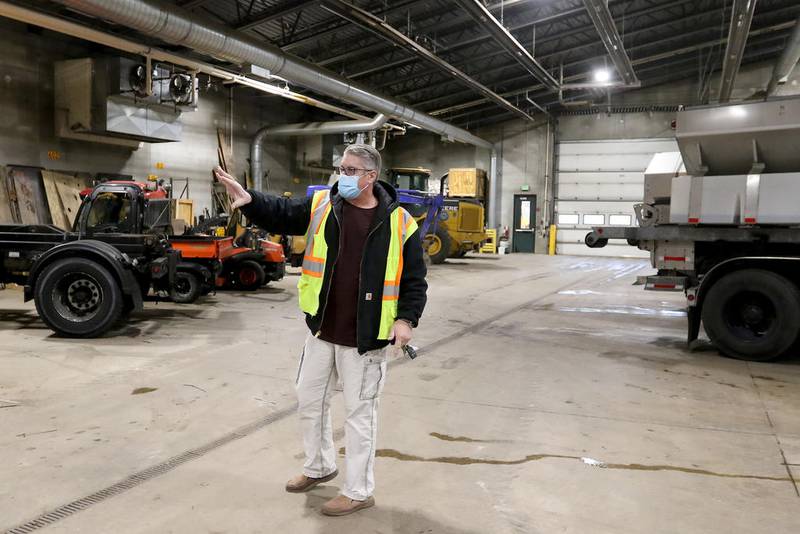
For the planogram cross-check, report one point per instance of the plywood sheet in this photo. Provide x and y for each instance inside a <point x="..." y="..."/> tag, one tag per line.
<point x="57" y="213"/>
<point x="70" y="200"/>
<point x="5" y="203"/>
<point x="184" y="210"/>
<point x="30" y="196"/>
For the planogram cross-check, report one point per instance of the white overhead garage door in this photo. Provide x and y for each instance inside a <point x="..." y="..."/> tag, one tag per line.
<point x="598" y="183"/>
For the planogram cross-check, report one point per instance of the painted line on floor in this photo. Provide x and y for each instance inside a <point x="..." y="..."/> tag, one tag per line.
<point x="145" y="475"/>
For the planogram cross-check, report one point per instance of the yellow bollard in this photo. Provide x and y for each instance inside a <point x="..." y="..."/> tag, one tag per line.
<point x="551" y="249"/>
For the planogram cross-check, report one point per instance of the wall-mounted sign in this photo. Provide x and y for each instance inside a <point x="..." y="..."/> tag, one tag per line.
<point x="525" y="187"/>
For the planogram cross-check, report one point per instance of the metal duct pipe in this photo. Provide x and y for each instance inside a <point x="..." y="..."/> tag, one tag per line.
<point x="307" y="128"/>
<point x="741" y="19"/>
<point x="35" y="18"/>
<point x="786" y="63"/>
<point x="176" y="26"/>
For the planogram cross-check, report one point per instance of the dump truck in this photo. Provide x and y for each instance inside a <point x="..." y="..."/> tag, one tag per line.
<point x="86" y="279"/>
<point x="721" y="220"/>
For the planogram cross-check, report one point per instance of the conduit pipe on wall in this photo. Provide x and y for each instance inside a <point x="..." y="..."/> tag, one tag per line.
<point x="306" y="128"/>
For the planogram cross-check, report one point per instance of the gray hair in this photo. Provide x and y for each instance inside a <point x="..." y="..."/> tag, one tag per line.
<point x="368" y="153"/>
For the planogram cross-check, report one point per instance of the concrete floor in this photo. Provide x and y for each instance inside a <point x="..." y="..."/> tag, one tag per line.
<point x="532" y="368"/>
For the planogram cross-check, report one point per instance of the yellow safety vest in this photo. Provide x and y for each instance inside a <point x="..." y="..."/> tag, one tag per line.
<point x="310" y="284"/>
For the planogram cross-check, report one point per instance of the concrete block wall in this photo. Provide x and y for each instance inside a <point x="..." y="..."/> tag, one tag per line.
<point x="27" y="56"/>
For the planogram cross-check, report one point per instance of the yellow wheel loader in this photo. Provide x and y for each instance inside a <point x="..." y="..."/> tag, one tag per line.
<point x="460" y="225"/>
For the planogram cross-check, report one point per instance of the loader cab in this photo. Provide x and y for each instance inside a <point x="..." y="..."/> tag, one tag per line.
<point x="408" y="178"/>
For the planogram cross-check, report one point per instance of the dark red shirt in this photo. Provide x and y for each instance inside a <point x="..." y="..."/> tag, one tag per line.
<point x="339" y="321"/>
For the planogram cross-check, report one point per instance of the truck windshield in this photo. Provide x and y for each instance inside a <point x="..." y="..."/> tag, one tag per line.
<point x="110" y="213"/>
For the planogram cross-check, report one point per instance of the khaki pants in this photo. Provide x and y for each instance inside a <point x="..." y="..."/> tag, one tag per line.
<point x="322" y="365"/>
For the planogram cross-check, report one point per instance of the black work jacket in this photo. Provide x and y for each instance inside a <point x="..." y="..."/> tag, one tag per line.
<point x="292" y="216"/>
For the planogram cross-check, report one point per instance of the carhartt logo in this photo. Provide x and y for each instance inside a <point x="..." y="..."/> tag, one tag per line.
<point x="368" y="297"/>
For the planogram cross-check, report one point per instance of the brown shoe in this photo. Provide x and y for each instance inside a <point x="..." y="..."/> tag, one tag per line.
<point x="302" y="483"/>
<point x="342" y="505"/>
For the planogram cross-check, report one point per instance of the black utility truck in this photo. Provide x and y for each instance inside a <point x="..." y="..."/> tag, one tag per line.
<point x="85" y="280"/>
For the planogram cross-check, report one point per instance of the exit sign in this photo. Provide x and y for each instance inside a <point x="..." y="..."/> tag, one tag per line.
<point x="525" y="187"/>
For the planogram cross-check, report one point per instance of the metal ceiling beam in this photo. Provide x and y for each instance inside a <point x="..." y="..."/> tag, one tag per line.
<point x="551" y="55"/>
<point x="372" y="23"/>
<point x="737" y="39"/>
<point x="787" y="60"/>
<point x="569" y="52"/>
<point x="669" y="76"/>
<point x="274" y="13"/>
<point x="324" y="29"/>
<point x="482" y="38"/>
<point x="641" y="61"/>
<point x="449" y="25"/>
<point x="604" y="22"/>
<point x="503" y="37"/>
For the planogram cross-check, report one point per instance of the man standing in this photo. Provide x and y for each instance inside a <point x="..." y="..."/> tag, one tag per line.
<point x="362" y="287"/>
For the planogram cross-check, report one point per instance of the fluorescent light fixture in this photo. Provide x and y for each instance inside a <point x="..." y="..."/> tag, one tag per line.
<point x="602" y="75"/>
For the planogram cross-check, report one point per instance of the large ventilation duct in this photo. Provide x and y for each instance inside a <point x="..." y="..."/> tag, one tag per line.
<point x="307" y="128"/>
<point x="176" y="26"/>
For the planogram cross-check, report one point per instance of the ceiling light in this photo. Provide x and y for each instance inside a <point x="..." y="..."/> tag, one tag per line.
<point x="602" y="75"/>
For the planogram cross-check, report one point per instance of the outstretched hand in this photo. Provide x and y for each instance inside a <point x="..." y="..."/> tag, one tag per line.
<point x="239" y="195"/>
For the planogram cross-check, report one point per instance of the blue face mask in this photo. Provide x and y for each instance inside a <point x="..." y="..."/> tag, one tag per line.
<point x="348" y="186"/>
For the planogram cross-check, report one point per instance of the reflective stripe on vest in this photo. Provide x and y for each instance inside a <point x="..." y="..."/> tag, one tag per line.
<point x="310" y="284"/>
<point x="402" y="226"/>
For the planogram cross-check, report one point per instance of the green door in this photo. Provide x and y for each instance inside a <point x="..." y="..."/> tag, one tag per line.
<point x="523" y="238"/>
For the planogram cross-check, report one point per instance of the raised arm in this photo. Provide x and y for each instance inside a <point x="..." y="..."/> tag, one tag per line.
<point x="274" y="214"/>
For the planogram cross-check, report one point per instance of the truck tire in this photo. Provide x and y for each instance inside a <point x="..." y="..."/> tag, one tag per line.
<point x="249" y="275"/>
<point x="77" y="297"/>
<point x="186" y="288"/>
<point x="752" y="315"/>
<point x="438" y="245"/>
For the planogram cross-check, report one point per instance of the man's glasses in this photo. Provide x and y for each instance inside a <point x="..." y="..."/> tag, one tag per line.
<point x="350" y="171"/>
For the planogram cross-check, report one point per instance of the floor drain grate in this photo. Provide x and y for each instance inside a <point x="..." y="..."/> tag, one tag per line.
<point x="66" y="510"/>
